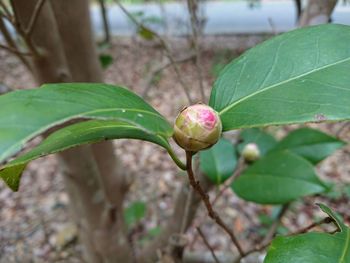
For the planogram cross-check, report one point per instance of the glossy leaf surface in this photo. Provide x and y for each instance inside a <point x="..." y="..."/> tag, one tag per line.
<point x="300" y="76"/>
<point x="278" y="178"/>
<point x="313" y="247"/>
<point x="311" y="144"/>
<point x="27" y="113"/>
<point x="74" y="135"/>
<point x="219" y="161"/>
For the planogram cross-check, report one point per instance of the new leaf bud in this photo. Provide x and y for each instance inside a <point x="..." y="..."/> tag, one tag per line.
<point x="251" y="152"/>
<point x="197" y="127"/>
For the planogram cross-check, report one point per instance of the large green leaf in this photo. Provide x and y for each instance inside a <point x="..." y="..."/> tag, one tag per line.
<point x="311" y="144"/>
<point x="75" y="135"/>
<point x="300" y="76"/>
<point x="262" y="139"/>
<point x="278" y="178"/>
<point x="218" y="162"/>
<point x="25" y="114"/>
<point x="312" y="247"/>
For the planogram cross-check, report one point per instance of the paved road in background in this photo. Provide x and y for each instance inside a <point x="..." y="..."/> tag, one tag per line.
<point x="222" y="17"/>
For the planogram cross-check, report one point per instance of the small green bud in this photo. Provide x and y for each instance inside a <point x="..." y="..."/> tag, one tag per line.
<point x="197" y="127"/>
<point x="251" y="152"/>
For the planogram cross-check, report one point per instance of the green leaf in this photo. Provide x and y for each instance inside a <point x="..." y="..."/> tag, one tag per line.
<point x="264" y="140"/>
<point x="27" y="113"/>
<point x="299" y="76"/>
<point x="311" y="144"/>
<point x="105" y="60"/>
<point x="218" y="162"/>
<point x="312" y="247"/>
<point x="74" y="135"/>
<point x="134" y="213"/>
<point x="146" y="33"/>
<point x="278" y="178"/>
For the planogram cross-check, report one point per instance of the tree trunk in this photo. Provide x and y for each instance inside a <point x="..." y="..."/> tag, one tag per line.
<point x="67" y="54"/>
<point x="317" y="12"/>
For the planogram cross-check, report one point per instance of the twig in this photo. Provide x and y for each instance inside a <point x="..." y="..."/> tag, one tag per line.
<point x="27" y="38"/>
<point x="165" y="47"/>
<point x="342" y="128"/>
<point x="205" y="198"/>
<point x="15" y="51"/>
<point x="192" y="8"/>
<point x="7" y="13"/>
<point x="207" y="244"/>
<point x="240" y="167"/>
<point x="326" y="220"/>
<point x="159" y="68"/>
<point x="11" y="43"/>
<point x="272" y="231"/>
<point x="34" y="17"/>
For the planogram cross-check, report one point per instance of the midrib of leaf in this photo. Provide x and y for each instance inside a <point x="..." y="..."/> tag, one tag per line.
<point x="281" y="83"/>
<point x="80" y="115"/>
<point x="77" y="144"/>
<point x="285" y="177"/>
<point x="298" y="146"/>
<point x="346" y="247"/>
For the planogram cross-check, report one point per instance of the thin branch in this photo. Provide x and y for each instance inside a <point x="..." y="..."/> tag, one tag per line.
<point x="27" y="38"/>
<point x="205" y="198"/>
<point x="272" y="231"/>
<point x="12" y="44"/>
<point x="165" y="47"/>
<point x="7" y="14"/>
<point x="342" y="128"/>
<point x="159" y="68"/>
<point x="240" y="167"/>
<point x="34" y="17"/>
<point x="258" y="248"/>
<point x="207" y="244"/>
<point x="15" y="51"/>
<point x="192" y="8"/>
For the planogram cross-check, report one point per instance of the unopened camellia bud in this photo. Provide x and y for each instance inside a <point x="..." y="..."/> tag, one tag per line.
<point x="197" y="127"/>
<point x="251" y="152"/>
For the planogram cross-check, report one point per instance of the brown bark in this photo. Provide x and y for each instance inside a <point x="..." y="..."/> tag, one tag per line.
<point x="317" y="12"/>
<point x="67" y="54"/>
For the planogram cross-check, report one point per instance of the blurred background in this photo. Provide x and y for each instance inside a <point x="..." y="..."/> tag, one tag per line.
<point x="168" y="52"/>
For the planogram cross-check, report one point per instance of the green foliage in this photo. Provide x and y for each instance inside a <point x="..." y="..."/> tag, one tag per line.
<point x="75" y="135"/>
<point x="27" y="113"/>
<point x="146" y="33"/>
<point x="134" y="213"/>
<point x="311" y="144"/>
<point x="313" y="247"/>
<point x="263" y="140"/>
<point x="40" y="109"/>
<point x="278" y="178"/>
<point x="299" y="76"/>
<point x="218" y="162"/>
<point x="105" y="60"/>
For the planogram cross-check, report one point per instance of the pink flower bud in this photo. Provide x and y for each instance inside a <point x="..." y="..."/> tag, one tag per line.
<point x="197" y="127"/>
<point x="251" y="152"/>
